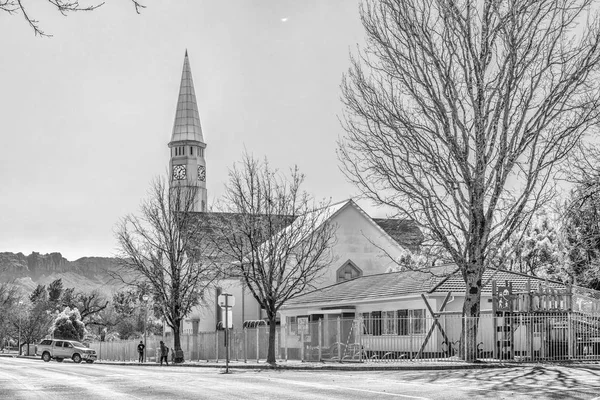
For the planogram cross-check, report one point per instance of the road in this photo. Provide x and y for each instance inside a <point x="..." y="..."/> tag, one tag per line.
<point x="34" y="379"/>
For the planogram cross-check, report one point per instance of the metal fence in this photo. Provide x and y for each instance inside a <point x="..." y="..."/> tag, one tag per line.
<point x="246" y="344"/>
<point x="393" y="338"/>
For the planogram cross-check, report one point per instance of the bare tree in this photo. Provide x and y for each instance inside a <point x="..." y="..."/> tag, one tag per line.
<point x="276" y="238"/>
<point x="65" y="7"/>
<point x="10" y="296"/>
<point x="163" y="249"/>
<point x="456" y="113"/>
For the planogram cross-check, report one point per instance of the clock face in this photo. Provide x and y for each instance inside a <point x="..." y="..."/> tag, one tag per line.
<point x="202" y="173"/>
<point x="178" y="172"/>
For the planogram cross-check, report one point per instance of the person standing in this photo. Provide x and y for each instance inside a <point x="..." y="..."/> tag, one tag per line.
<point x="140" y="348"/>
<point x="164" y="353"/>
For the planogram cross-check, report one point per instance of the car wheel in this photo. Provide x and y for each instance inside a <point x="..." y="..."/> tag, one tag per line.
<point x="59" y="359"/>
<point x="76" y="358"/>
<point x="46" y="357"/>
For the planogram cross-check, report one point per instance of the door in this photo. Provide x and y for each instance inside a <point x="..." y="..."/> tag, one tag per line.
<point x="58" y="349"/>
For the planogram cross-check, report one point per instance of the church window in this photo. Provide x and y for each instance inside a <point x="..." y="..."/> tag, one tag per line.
<point x="347" y="272"/>
<point x="191" y="150"/>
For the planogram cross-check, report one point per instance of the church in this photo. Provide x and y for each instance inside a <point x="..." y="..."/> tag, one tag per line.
<point x="363" y="245"/>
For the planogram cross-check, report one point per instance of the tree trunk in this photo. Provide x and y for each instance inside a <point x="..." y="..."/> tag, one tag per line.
<point x="471" y="308"/>
<point x="177" y="341"/>
<point x="272" y="334"/>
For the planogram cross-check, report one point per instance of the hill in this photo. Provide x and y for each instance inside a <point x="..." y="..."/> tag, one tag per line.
<point x="84" y="274"/>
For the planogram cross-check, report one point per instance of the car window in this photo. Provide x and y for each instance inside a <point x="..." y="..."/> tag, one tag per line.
<point x="46" y="342"/>
<point x="68" y="345"/>
<point x="58" y="344"/>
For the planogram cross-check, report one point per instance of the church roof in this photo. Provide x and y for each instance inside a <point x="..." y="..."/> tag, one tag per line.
<point x="404" y="232"/>
<point x="187" y="118"/>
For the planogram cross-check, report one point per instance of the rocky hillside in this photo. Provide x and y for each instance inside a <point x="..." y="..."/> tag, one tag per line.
<point x="84" y="274"/>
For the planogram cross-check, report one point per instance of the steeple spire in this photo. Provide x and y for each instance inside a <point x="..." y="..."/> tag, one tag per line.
<point x="187" y="120"/>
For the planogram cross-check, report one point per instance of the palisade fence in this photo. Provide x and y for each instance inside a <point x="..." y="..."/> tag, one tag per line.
<point x="509" y="338"/>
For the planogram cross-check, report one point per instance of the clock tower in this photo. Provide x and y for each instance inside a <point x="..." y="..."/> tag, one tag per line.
<point x="187" y="167"/>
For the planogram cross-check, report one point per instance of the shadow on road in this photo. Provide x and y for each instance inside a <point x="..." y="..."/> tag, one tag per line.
<point x="554" y="380"/>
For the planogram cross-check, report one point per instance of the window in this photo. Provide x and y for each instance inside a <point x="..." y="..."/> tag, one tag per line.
<point x="411" y="322"/>
<point x="191" y="150"/>
<point x="292" y="325"/>
<point x="389" y="323"/>
<point x="347" y="272"/>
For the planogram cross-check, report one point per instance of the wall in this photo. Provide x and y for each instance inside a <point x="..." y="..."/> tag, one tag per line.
<point x="362" y="242"/>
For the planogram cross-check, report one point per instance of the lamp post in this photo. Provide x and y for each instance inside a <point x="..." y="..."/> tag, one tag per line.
<point x="19" y="342"/>
<point x="145" y="298"/>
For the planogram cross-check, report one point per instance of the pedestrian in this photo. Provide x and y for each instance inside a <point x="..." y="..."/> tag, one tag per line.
<point x="164" y="353"/>
<point x="140" y="349"/>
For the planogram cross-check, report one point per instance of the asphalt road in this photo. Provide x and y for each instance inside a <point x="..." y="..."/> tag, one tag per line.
<point x="34" y="379"/>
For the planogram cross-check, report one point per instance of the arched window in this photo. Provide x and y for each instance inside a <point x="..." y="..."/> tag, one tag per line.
<point x="348" y="271"/>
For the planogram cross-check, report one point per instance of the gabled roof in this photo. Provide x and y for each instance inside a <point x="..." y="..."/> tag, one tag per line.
<point x="187" y="119"/>
<point x="371" y="287"/>
<point x="402" y="232"/>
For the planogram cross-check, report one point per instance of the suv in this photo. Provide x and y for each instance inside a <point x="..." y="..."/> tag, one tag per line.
<point x="61" y="349"/>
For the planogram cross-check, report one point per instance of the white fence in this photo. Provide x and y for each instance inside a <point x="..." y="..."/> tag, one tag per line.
<point x="513" y="337"/>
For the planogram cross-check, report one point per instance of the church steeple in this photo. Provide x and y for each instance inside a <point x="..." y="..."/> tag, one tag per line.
<point x="187" y="164"/>
<point x="187" y="119"/>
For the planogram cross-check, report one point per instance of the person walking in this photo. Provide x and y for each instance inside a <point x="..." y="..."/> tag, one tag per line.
<point x="140" y="348"/>
<point x="164" y="353"/>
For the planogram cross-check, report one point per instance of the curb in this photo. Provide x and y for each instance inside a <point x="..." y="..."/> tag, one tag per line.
<point x="325" y="367"/>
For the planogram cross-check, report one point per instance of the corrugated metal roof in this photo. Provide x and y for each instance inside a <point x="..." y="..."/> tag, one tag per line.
<point x="187" y="119"/>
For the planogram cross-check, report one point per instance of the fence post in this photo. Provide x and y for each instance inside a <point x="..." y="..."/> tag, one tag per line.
<point x="320" y="344"/>
<point x="245" y="344"/>
<point x="339" y="337"/>
<point x="257" y="344"/>
<point x="217" y="345"/>
<point x="360" y="344"/>
<point x="465" y="339"/>
<point x="302" y="346"/>
<point x="285" y="348"/>
<point x="570" y="333"/>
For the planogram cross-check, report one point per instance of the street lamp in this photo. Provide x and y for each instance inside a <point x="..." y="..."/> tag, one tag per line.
<point x="145" y="298"/>
<point x="19" y="342"/>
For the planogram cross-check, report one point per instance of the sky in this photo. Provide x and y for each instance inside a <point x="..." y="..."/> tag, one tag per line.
<point x="86" y="115"/>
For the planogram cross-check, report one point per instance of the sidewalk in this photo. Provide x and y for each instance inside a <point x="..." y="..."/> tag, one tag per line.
<point x="336" y="366"/>
<point x="308" y="366"/>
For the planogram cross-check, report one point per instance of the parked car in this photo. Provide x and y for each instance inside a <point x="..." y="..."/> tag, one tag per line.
<point x="58" y="350"/>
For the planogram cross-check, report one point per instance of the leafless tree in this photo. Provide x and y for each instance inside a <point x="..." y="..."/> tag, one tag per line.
<point x="162" y="248"/>
<point x="277" y="238"/>
<point x="457" y="113"/>
<point x="65" y="7"/>
<point x="10" y="295"/>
